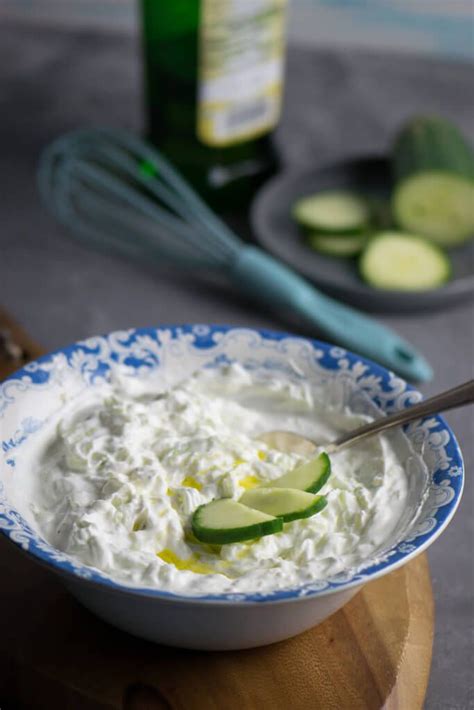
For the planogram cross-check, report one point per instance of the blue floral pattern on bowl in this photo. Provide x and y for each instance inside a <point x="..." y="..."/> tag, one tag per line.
<point x="186" y="347"/>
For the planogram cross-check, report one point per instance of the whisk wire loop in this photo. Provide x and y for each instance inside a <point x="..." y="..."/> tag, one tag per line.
<point x="116" y="192"/>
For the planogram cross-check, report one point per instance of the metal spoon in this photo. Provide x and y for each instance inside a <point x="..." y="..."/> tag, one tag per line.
<point x="456" y="397"/>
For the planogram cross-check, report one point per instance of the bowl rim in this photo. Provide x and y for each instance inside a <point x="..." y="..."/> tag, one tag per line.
<point x="393" y="560"/>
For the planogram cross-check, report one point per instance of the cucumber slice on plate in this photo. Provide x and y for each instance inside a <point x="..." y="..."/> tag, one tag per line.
<point x="225" y="520"/>
<point x="345" y="246"/>
<point x="333" y="212"/>
<point x="285" y="503"/>
<point x="434" y="181"/>
<point x="404" y="262"/>
<point x="309" y="477"/>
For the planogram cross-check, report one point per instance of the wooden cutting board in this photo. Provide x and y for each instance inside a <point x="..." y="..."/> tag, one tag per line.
<point x="374" y="653"/>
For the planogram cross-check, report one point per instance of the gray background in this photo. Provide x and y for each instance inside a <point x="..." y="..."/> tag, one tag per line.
<point x="337" y="104"/>
<point x="427" y="26"/>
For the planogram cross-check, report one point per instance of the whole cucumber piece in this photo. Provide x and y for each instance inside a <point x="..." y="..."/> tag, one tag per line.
<point x="433" y="169"/>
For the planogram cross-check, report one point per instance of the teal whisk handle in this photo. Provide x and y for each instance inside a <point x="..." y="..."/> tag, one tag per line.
<point x="273" y="283"/>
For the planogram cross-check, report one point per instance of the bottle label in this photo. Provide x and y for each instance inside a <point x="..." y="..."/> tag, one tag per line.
<point x="240" y="79"/>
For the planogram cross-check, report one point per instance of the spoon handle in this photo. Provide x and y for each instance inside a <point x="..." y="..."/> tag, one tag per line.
<point x="456" y="397"/>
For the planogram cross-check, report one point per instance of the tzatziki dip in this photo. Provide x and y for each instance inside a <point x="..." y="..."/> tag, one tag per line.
<point x="120" y="473"/>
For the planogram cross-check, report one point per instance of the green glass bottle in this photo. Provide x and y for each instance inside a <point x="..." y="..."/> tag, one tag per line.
<point x="214" y="77"/>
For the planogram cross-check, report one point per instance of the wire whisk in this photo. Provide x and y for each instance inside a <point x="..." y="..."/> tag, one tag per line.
<point x="117" y="193"/>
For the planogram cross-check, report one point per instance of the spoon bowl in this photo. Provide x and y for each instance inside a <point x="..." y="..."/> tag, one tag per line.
<point x="290" y="442"/>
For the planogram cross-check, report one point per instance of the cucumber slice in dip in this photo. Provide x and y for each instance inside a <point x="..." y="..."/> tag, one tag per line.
<point x="404" y="262"/>
<point x="308" y="477"/>
<point x="286" y="503"/>
<point x="225" y="520"/>
<point x="333" y="211"/>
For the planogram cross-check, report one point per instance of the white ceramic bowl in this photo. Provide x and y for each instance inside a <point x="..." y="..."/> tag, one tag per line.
<point x="220" y="621"/>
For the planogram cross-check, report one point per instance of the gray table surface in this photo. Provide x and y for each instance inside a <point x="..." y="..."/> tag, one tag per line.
<point x="337" y="104"/>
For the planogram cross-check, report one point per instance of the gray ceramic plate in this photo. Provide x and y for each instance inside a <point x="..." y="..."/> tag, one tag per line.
<point x="277" y="232"/>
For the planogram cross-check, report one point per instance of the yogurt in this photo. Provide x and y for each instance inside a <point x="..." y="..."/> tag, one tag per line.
<point x="119" y="476"/>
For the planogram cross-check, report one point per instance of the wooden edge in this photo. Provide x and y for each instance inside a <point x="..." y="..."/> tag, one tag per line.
<point x="16" y="347"/>
<point x="415" y="667"/>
